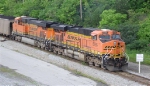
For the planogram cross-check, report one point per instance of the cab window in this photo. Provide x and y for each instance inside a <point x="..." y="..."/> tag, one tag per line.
<point x="115" y="37"/>
<point x="94" y="37"/>
<point x="104" y="38"/>
<point x="18" y="22"/>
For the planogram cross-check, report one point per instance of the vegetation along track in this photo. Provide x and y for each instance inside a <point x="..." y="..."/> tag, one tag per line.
<point x="126" y="75"/>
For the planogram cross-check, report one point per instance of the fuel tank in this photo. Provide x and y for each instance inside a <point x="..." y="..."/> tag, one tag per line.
<point x="28" y="41"/>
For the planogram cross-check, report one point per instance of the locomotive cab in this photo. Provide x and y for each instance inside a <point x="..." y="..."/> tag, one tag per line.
<point x="111" y="49"/>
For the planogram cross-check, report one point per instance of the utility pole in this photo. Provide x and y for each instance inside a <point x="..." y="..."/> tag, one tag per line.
<point x="81" y="9"/>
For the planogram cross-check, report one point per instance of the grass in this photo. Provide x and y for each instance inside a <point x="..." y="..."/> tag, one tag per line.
<point x="78" y="73"/>
<point x="132" y="56"/>
<point x="85" y="75"/>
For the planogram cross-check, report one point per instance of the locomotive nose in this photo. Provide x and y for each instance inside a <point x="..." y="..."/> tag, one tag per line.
<point x="116" y="43"/>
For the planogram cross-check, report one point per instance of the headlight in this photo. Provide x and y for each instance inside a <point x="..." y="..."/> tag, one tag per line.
<point x="114" y="43"/>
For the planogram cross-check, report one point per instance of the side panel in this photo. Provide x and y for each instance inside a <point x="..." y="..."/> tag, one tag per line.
<point x="15" y="27"/>
<point x="72" y="39"/>
<point x="6" y="27"/>
<point x="34" y="30"/>
<point x="50" y="33"/>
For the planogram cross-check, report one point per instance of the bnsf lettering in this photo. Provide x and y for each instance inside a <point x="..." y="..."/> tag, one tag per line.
<point x="33" y="28"/>
<point x="74" y="38"/>
<point x="113" y="46"/>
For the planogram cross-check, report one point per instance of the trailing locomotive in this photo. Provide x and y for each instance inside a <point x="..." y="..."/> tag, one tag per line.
<point x="98" y="47"/>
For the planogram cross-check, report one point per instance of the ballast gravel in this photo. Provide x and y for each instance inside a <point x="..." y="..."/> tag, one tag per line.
<point x="110" y="79"/>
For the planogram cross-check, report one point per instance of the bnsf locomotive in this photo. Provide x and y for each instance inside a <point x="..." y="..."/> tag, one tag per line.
<point x="97" y="47"/>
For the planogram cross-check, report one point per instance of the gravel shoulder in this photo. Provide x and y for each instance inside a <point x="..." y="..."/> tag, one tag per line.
<point x="40" y="71"/>
<point x="110" y="79"/>
<point x="134" y="69"/>
<point x="10" y="77"/>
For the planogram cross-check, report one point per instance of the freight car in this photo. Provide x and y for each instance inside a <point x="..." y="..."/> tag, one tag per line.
<point x="98" y="47"/>
<point x="6" y="25"/>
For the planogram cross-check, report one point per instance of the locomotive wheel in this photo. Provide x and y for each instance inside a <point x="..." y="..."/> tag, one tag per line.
<point x="90" y="61"/>
<point x="96" y="62"/>
<point x="38" y="44"/>
<point x="19" y="38"/>
<point x="35" y="43"/>
<point x="110" y="68"/>
<point x="12" y="37"/>
<point x="124" y="67"/>
<point x="16" y="38"/>
<point x="91" y="64"/>
<point x="113" y="68"/>
<point x="54" y="50"/>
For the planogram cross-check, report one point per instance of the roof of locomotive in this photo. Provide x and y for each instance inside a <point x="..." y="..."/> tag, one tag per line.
<point x="62" y="27"/>
<point x="27" y="19"/>
<point x="74" y="29"/>
<point x="86" y="31"/>
<point x="103" y="31"/>
<point x="80" y="30"/>
<point x="42" y="23"/>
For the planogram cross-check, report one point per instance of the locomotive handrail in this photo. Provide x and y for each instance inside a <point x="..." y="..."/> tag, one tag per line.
<point x="126" y="55"/>
<point x="107" y="53"/>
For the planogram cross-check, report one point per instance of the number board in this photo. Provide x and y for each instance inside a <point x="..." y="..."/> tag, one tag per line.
<point x="139" y="57"/>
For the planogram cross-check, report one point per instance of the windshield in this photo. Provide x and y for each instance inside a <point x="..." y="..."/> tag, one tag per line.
<point x="116" y="36"/>
<point x="104" y="38"/>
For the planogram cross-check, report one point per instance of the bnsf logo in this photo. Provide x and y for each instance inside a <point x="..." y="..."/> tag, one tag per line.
<point x="74" y="38"/>
<point x="113" y="47"/>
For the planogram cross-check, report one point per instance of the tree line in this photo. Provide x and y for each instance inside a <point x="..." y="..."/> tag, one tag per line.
<point x="130" y="17"/>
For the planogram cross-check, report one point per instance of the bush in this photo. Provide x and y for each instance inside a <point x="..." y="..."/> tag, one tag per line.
<point x="139" y="45"/>
<point x="129" y="32"/>
<point x="111" y="18"/>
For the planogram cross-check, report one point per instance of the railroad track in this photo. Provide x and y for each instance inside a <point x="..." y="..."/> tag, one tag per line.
<point x="127" y="75"/>
<point x="135" y="78"/>
<point x="130" y="76"/>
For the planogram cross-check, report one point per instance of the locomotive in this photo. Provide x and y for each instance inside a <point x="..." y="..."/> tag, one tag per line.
<point x="98" y="47"/>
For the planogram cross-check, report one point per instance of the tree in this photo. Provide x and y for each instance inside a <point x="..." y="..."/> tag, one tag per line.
<point x="129" y="32"/>
<point x="144" y="32"/>
<point x="122" y="6"/>
<point x="111" y="19"/>
<point x="2" y="6"/>
<point x="91" y="11"/>
<point x="138" y="4"/>
<point x="51" y="10"/>
<point x="68" y="11"/>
